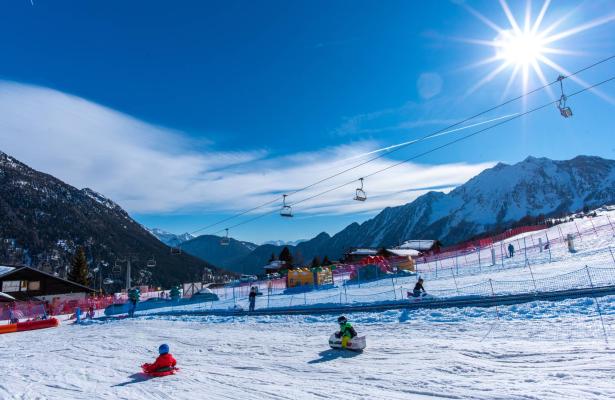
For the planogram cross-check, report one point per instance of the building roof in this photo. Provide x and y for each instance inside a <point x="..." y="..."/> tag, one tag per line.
<point x="363" y="252"/>
<point x="22" y="269"/>
<point x="4" y="269"/>
<point x="404" y="252"/>
<point x="275" y="264"/>
<point x="420" y="245"/>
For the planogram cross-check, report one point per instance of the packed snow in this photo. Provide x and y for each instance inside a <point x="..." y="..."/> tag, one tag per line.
<point x="534" y="351"/>
<point x="539" y="350"/>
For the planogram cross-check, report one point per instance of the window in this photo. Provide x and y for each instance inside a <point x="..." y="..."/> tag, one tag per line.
<point x="11" y="286"/>
<point x="34" y="285"/>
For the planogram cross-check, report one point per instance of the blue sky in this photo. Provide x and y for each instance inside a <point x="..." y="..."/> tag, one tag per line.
<point x="187" y="112"/>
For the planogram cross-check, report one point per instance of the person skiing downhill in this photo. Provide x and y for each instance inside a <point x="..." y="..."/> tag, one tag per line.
<point x="164" y="363"/>
<point x="346" y="331"/>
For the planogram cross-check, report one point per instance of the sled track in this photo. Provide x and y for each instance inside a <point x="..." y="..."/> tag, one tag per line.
<point x="459" y="302"/>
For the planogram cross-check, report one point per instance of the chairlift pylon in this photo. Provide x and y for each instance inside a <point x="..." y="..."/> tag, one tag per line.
<point x="564" y="110"/>
<point x="286" y="211"/>
<point x="360" y="193"/>
<point x="225" y="241"/>
<point x="116" y="268"/>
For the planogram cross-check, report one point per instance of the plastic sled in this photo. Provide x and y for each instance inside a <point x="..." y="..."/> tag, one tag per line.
<point x="163" y="372"/>
<point x="355" y="344"/>
<point x="422" y="297"/>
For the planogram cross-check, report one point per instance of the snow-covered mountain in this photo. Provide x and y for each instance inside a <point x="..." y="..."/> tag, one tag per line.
<point x="170" y="239"/>
<point x="43" y="220"/>
<point x="494" y="199"/>
<point x="285" y="243"/>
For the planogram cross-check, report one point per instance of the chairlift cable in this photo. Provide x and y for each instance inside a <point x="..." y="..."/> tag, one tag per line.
<point x="602" y="61"/>
<point x="612" y="78"/>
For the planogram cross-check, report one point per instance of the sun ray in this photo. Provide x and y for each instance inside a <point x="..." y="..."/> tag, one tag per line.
<point x="552" y="50"/>
<point x="510" y="82"/>
<point x="540" y="17"/>
<point x="578" y="29"/>
<point x="545" y="32"/>
<point x="542" y="78"/>
<point x="511" y="18"/>
<point x="485" y="61"/>
<point x="488" y="78"/>
<point x="528" y="16"/>
<point x="561" y="70"/>
<point x="484" y="19"/>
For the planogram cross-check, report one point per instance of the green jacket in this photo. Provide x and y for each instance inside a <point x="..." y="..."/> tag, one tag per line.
<point x="347" y="330"/>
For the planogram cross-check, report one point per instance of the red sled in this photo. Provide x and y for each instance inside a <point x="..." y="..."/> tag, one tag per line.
<point x="163" y="372"/>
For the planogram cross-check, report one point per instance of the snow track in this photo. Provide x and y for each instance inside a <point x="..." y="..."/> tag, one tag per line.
<point x="539" y="350"/>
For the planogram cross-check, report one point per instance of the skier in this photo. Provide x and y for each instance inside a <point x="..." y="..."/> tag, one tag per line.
<point x="416" y="292"/>
<point x="252" y="298"/>
<point x="511" y="250"/>
<point x="346" y="331"/>
<point x="164" y="363"/>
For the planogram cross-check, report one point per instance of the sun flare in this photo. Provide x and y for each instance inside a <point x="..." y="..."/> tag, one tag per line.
<point x="525" y="46"/>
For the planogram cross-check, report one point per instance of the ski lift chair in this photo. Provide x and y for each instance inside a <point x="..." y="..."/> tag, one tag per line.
<point x="225" y="241"/>
<point x="286" y="210"/>
<point x="360" y="193"/>
<point x="564" y="110"/>
<point x="151" y="263"/>
<point x="107" y="281"/>
<point x="116" y="268"/>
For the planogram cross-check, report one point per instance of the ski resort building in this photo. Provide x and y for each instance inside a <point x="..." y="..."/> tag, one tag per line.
<point x="26" y="283"/>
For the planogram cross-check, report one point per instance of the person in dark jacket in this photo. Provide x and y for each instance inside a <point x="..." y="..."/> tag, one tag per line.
<point x="252" y="298"/>
<point x="511" y="250"/>
<point x="418" y="288"/>
<point x="346" y="331"/>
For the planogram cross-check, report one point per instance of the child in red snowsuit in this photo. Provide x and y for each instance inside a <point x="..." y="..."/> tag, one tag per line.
<point x="165" y="362"/>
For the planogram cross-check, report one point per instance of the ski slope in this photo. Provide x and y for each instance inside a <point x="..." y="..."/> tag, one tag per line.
<point x="534" y="351"/>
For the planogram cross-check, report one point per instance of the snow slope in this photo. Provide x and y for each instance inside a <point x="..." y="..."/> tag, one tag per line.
<point x="534" y="351"/>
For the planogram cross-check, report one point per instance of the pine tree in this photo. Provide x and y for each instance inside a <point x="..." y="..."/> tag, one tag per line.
<point x="315" y="262"/>
<point x="286" y="256"/>
<point x="79" y="268"/>
<point x="272" y="258"/>
<point x="326" y="262"/>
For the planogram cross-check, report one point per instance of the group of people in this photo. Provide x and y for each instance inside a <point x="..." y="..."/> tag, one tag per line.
<point x="166" y="363"/>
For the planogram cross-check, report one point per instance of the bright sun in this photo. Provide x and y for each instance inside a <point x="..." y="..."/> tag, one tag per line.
<point x="527" y="47"/>
<point x="523" y="48"/>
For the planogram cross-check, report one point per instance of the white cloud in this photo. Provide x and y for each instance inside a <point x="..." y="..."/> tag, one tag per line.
<point x="152" y="169"/>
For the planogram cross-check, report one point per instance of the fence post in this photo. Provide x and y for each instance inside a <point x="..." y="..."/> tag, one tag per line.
<point x="393" y="284"/>
<point x="457" y="262"/>
<point x="493" y="256"/>
<point x="612" y="256"/>
<point x="480" y="268"/>
<point x="502" y="252"/>
<point x="591" y="283"/>
<point x="345" y="294"/>
<point x="497" y="311"/>
<point x="548" y="245"/>
<point x="579" y="232"/>
<point x="609" y="219"/>
<point x="340" y="297"/>
<point x="525" y="250"/>
<point x="593" y="226"/>
<point x="304" y="298"/>
<point x="532" y="273"/>
<point x="456" y="287"/>
<point x="290" y="303"/>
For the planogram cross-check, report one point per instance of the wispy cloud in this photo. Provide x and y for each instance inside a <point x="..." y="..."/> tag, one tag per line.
<point x="152" y="169"/>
